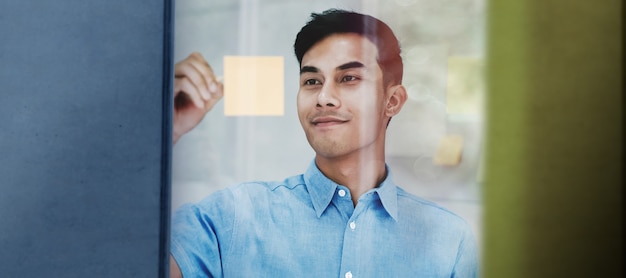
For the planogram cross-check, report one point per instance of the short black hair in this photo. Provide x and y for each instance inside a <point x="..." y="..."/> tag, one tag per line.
<point x="336" y="21"/>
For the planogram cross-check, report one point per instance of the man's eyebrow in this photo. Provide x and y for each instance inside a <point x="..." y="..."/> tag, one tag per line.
<point x="351" y="65"/>
<point x="308" y="69"/>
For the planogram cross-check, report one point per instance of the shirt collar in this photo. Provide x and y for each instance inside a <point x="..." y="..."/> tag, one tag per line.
<point x="388" y="194"/>
<point x="322" y="189"/>
<point x="319" y="187"/>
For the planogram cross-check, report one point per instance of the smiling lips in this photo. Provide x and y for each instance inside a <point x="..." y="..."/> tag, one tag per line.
<point x="327" y="121"/>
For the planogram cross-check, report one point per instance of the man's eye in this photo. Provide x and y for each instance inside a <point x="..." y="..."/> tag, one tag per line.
<point x="349" y="78"/>
<point x="311" y="82"/>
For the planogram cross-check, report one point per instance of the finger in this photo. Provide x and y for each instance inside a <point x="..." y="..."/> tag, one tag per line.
<point x="186" y="69"/>
<point x="214" y="87"/>
<point x="219" y="92"/>
<point x="195" y="56"/>
<point x="216" y="96"/>
<point x="197" y="61"/>
<point x="185" y="86"/>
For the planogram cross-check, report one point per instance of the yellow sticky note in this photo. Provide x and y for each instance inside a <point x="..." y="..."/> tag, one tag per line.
<point x="253" y="85"/>
<point x="465" y="88"/>
<point x="449" y="151"/>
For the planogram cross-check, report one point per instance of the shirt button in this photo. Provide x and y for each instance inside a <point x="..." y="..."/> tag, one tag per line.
<point x="348" y="274"/>
<point x="352" y="225"/>
<point x="341" y="193"/>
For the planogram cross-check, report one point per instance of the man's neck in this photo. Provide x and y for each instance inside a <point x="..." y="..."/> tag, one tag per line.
<point x="359" y="172"/>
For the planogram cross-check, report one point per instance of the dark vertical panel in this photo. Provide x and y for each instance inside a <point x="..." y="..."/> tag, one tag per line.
<point x="576" y="139"/>
<point x="554" y="182"/>
<point x="83" y="168"/>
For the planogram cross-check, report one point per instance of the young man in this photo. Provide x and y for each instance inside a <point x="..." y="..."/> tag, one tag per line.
<point x="344" y="216"/>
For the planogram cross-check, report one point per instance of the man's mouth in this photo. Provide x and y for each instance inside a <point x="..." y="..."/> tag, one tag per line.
<point x="327" y="121"/>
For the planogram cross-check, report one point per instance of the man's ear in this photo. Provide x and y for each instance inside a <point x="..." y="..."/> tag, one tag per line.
<point x="396" y="97"/>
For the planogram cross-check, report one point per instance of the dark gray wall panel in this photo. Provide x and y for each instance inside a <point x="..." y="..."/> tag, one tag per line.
<point x="84" y="175"/>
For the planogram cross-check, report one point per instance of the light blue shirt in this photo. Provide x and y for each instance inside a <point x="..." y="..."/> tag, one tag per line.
<point x="307" y="226"/>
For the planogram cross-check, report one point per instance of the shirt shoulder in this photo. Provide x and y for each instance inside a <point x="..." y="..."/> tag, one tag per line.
<point x="259" y="191"/>
<point x="413" y="206"/>
<point x="249" y="196"/>
<point x="289" y="183"/>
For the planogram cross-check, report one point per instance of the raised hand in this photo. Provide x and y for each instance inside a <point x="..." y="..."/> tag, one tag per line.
<point x="196" y="91"/>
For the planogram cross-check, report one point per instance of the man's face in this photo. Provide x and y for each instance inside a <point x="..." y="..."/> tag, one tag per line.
<point x="341" y="100"/>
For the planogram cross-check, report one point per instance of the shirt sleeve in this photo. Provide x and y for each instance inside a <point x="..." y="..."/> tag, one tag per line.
<point x="467" y="264"/>
<point x="197" y="233"/>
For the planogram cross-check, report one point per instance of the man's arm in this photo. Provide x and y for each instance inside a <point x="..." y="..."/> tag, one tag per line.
<point x="174" y="269"/>
<point x="196" y="91"/>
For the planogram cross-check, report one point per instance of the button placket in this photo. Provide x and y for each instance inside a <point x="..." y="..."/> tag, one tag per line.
<point x="350" y="248"/>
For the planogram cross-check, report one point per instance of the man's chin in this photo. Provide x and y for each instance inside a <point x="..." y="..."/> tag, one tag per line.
<point x="328" y="151"/>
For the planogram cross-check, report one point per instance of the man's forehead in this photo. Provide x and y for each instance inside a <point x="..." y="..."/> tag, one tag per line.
<point x="341" y="51"/>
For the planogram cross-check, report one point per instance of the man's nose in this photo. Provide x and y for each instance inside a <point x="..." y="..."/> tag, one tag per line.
<point x="328" y="96"/>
